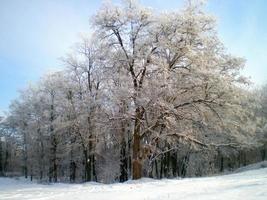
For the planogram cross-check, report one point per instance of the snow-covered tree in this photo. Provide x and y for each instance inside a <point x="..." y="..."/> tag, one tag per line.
<point x="177" y="71"/>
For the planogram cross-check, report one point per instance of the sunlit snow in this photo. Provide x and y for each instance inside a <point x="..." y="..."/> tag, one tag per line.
<point x="241" y="186"/>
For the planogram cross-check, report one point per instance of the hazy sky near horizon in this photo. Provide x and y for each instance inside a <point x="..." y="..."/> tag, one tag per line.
<point x="36" y="33"/>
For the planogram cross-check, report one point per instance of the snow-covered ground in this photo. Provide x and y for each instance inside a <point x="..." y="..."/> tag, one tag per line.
<point x="246" y="185"/>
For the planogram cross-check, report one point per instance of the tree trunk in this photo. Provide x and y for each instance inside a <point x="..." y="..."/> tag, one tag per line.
<point x="31" y="171"/>
<point x="42" y="156"/>
<point x="25" y="155"/>
<point x="90" y="161"/>
<point x="123" y="156"/>
<point x="87" y="166"/>
<point x="93" y="168"/>
<point x="54" y="159"/>
<point x="129" y="159"/>
<point x="6" y="157"/>
<point x="137" y="157"/>
<point x="53" y="141"/>
<point x="72" y="171"/>
<point x="72" y="167"/>
<point x="123" y="162"/>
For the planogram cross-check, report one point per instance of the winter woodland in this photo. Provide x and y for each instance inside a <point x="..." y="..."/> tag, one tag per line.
<point x="148" y="94"/>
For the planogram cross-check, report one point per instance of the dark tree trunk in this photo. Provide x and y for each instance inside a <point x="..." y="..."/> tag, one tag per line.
<point x="93" y="168"/>
<point x="42" y="155"/>
<point x="87" y="166"/>
<point x="53" y="167"/>
<point x="25" y="153"/>
<point x="123" y="148"/>
<point x="53" y="160"/>
<point x="129" y="159"/>
<point x="123" y="162"/>
<point x="90" y="161"/>
<point x="174" y="163"/>
<point x="161" y="167"/>
<point x="31" y="173"/>
<point x="6" y="158"/>
<point x="72" y="168"/>
<point x="157" y="169"/>
<point x="72" y="171"/>
<point x="137" y="157"/>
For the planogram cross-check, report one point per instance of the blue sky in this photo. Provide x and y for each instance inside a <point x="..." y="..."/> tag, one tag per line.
<point x="35" y="33"/>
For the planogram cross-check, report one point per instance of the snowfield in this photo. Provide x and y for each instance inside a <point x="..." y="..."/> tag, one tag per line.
<point x="248" y="185"/>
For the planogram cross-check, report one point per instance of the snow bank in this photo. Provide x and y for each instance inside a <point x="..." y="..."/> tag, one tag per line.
<point x="253" y="166"/>
<point x="249" y="185"/>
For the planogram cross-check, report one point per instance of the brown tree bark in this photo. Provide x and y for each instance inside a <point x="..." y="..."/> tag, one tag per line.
<point x="137" y="156"/>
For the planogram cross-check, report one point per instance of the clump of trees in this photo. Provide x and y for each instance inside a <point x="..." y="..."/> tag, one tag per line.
<point x="143" y="85"/>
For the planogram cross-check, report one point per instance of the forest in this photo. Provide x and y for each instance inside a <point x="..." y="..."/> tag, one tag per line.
<point x="147" y="94"/>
